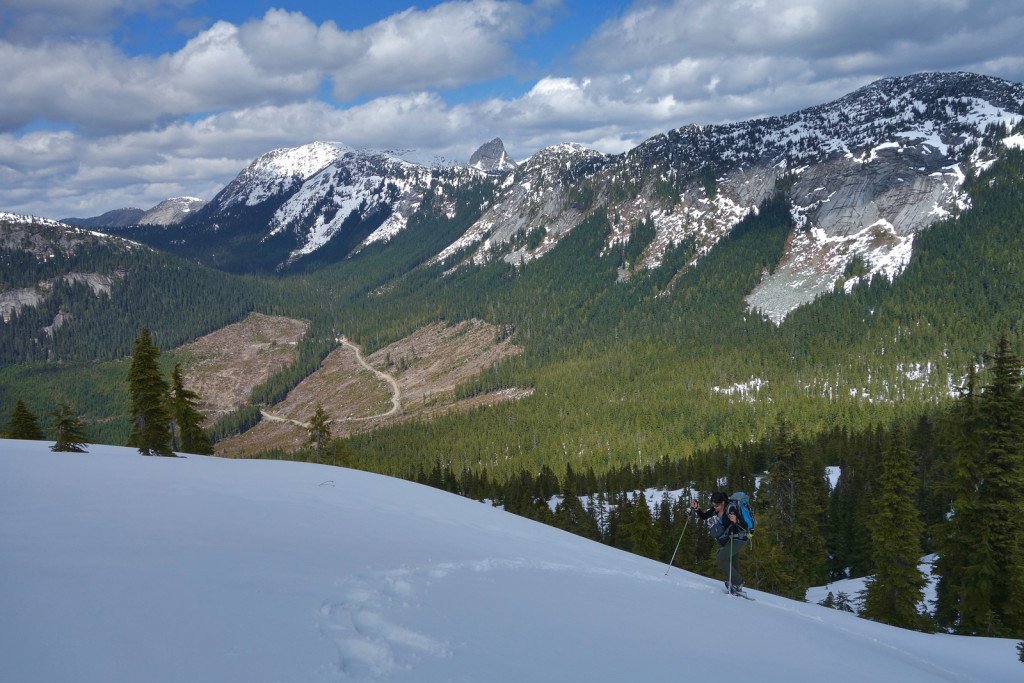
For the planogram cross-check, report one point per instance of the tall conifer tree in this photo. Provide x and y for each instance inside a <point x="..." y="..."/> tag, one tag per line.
<point x="965" y="568"/>
<point x="642" y="536"/>
<point x="151" y="416"/>
<point x="789" y="547"/>
<point x="897" y="586"/>
<point x="1002" y="490"/>
<point x="190" y="437"/>
<point x="571" y="516"/>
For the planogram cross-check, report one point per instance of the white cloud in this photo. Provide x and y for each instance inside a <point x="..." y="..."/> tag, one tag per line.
<point x="193" y="118"/>
<point x="279" y="58"/>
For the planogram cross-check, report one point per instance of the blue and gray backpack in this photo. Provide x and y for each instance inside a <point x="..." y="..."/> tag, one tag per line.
<point x="742" y="503"/>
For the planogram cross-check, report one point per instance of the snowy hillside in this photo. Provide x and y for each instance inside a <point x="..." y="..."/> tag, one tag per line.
<point x="277" y="172"/>
<point x="119" y="567"/>
<point x="15" y="218"/>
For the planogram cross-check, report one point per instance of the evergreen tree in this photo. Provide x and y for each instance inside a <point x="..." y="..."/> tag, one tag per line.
<point x="789" y="550"/>
<point x="965" y="568"/>
<point x="320" y="434"/>
<point x="894" y="592"/>
<point x="642" y="536"/>
<point x="69" y="430"/>
<point x="572" y="517"/>
<point x="151" y="415"/>
<point x="1002" y="490"/>
<point x="23" y="424"/>
<point x="190" y="436"/>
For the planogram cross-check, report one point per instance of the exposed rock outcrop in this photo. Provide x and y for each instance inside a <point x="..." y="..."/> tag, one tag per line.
<point x="492" y="158"/>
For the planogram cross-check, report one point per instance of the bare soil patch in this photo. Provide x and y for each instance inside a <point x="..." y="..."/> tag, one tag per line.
<point x="425" y="366"/>
<point x="224" y="366"/>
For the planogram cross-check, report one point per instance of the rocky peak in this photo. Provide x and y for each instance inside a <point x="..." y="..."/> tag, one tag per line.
<point x="172" y="211"/>
<point x="492" y="158"/>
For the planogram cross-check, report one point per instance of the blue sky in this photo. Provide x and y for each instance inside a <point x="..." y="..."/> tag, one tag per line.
<point x="113" y="103"/>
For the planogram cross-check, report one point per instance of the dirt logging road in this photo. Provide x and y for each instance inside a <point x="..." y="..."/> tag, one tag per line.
<point x="396" y="392"/>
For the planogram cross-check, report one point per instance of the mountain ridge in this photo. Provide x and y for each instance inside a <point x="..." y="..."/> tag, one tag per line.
<point x="865" y="173"/>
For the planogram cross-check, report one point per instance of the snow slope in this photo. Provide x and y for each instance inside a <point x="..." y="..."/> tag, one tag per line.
<point x="119" y="567"/>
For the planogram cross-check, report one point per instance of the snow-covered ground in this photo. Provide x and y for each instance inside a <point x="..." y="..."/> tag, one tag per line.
<point x="119" y="567"/>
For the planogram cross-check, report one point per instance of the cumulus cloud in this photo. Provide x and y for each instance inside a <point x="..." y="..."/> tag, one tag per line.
<point x="282" y="57"/>
<point x="443" y="47"/>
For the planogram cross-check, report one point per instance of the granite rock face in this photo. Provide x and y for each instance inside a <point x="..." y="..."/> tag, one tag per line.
<point x="867" y="207"/>
<point x="172" y="211"/>
<point x="492" y="158"/>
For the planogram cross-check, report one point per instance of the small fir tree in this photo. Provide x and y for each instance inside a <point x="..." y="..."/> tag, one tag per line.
<point x="320" y="432"/>
<point x="190" y="436"/>
<point x="894" y="592"/>
<point x="69" y="430"/>
<point x="23" y="424"/>
<point x="151" y="416"/>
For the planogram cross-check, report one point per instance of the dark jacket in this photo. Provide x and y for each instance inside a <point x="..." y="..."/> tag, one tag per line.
<point x="723" y="526"/>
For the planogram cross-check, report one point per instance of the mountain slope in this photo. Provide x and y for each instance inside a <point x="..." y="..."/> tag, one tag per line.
<point x="118" y="218"/>
<point x="69" y="293"/>
<point x="864" y="175"/>
<point x="157" y="569"/>
<point x="172" y="211"/>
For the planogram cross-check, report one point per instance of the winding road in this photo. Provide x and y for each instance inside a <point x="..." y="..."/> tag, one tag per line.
<point x="396" y="393"/>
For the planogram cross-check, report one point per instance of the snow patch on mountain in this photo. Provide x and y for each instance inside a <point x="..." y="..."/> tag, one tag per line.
<point x="21" y="219"/>
<point x="363" y="184"/>
<point x="743" y="391"/>
<point x="278" y="171"/>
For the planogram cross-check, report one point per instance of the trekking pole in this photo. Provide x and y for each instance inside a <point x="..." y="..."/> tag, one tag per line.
<point x="677" y="544"/>
<point x="731" y="536"/>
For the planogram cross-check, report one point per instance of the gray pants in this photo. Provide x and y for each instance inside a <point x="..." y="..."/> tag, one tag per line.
<point x="729" y="554"/>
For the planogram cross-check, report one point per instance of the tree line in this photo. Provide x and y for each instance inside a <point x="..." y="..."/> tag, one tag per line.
<point x="950" y="483"/>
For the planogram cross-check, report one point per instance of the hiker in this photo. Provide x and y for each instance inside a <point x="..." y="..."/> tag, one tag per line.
<point x="730" y="530"/>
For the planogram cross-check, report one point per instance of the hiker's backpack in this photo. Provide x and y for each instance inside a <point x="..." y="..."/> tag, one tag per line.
<point x="742" y="503"/>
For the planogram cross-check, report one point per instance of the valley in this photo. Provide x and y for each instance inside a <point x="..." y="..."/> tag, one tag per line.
<point x="814" y="256"/>
<point x="412" y="379"/>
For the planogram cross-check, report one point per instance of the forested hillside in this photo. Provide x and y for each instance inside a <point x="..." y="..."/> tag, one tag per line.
<point x="672" y="361"/>
<point x="663" y="363"/>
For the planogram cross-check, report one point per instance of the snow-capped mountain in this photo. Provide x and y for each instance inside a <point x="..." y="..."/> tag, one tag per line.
<point x="864" y="174"/>
<point x="42" y="239"/>
<point x="356" y="187"/>
<point x="538" y="195"/>
<point x="275" y="173"/>
<point x="21" y="219"/>
<point x="868" y="172"/>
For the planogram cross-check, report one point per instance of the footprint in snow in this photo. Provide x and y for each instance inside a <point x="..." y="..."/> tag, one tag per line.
<point x="370" y="645"/>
